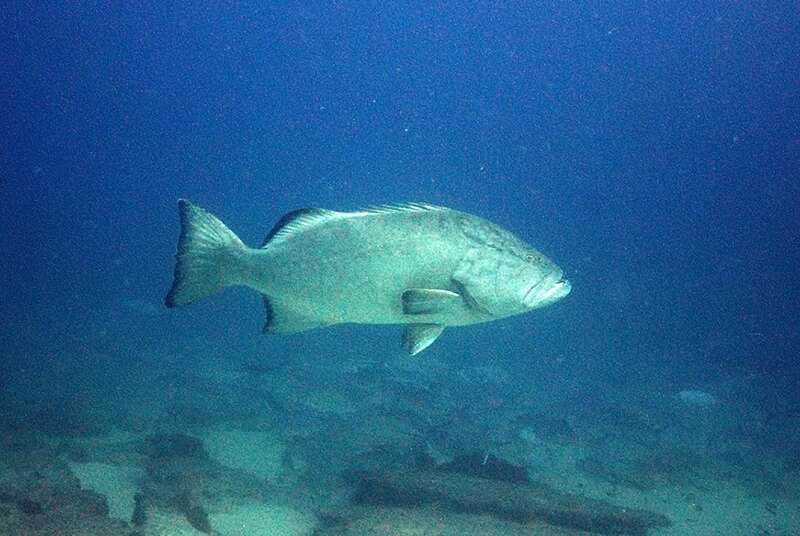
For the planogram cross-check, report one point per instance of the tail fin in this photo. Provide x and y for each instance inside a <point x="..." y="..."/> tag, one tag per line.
<point x="209" y="257"/>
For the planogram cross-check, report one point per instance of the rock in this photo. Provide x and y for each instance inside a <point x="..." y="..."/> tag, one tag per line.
<point x="160" y="446"/>
<point x="251" y="518"/>
<point x="43" y="508"/>
<point x="166" y="522"/>
<point x="195" y="514"/>
<point x="546" y="427"/>
<point x="29" y="507"/>
<point x="181" y="481"/>
<point x="615" y="475"/>
<point x="521" y="503"/>
<point x="260" y="453"/>
<point x="368" y="521"/>
<point x="486" y="466"/>
<point x="117" y="483"/>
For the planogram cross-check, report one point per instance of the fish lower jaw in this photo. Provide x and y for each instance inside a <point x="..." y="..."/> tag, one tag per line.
<point x="552" y="294"/>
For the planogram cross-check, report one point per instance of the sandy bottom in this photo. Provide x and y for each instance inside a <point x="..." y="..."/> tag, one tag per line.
<point x="238" y="452"/>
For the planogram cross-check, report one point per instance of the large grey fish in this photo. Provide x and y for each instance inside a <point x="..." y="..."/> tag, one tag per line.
<point x="423" y="266"/>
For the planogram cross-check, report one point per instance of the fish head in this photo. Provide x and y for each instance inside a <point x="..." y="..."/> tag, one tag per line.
<point x="526" y="279"/>
<point x="543" y="281"/>
<point x="504" y="276"/>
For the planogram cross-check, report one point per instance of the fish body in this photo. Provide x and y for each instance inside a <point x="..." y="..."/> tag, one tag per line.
<point x="421" y="265"/>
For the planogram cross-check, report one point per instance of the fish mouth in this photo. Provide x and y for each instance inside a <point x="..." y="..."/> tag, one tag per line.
<point x="560" y="288"/>
<point x="555" y="291"/>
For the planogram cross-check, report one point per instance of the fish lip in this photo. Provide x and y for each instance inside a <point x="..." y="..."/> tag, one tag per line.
<point x="562" y="287"/>
<point x="556" y="286"/>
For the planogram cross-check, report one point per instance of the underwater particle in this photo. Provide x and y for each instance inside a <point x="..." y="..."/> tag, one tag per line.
<point x="693" y="502"/>
<point x="697" y="398"/>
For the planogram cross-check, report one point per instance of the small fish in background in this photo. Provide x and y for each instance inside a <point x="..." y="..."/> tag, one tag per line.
<point x="697" y="398"/>
<point x="420" y="265"/>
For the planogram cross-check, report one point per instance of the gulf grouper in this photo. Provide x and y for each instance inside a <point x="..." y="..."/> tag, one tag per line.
<point x="423" y="266"/>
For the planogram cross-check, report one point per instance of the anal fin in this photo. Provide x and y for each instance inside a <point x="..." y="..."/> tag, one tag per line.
<point x="417" y="337"/>
<point x="281" y="319"/>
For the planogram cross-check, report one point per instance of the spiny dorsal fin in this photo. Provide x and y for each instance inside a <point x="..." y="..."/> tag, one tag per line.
<point x="305" y="218"/>
<point x="401" y="207"/>
<point x="298" y="220"/>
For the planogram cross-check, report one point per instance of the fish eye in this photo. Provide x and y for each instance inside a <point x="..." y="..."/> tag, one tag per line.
<point x="529" y="257"/>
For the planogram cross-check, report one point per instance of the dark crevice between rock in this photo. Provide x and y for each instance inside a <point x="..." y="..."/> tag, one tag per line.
<point x="194" y="513"/>
<point x="486" y="466"/>
<point x="480" y="485"/>
<point x="26" y="506"/>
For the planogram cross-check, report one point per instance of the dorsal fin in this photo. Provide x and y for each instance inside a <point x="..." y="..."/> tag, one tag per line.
<point x="296" y="221"/>
<point x="401" y="207"/>
<point x="305" y="218"/>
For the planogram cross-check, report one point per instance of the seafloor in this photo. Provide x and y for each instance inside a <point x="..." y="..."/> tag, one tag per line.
<point x="193" y="440"/>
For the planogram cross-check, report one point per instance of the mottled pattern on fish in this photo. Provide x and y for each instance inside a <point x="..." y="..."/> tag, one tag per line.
<point x="416" y="264"/>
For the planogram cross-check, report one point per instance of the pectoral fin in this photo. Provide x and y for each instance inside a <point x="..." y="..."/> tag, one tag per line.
<point x="417" y="337"/>
<point x="427" y="301"/>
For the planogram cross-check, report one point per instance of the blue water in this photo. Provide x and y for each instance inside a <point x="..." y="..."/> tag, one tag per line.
<point x="651" y="149"/>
